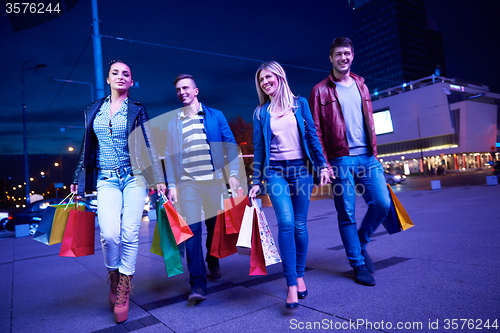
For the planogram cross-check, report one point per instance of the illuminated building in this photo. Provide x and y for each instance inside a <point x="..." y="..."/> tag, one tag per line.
<point x="436" y="121"/>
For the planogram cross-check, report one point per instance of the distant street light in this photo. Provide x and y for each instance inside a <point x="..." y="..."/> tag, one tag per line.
<point x="25" y="137"/>
<point x="83" y="82"/>
<point x="70" y="149"/>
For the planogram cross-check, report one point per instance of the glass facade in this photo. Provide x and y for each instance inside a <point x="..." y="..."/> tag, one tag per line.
<point x="394" y="42"/>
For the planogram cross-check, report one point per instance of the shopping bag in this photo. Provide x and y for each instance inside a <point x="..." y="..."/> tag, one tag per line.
<point x="391" y="222"/>
<point x="244" y="243"/>
<point x="404" y="219"/>
<point x="223" y="244"/>
<point x="269" y="248"/>
<point x="397" y="219"/>
<point x="234" y="208"/>
<point x="44" y="228"/>
<point x="164" y="243"/>
<point x="257" y="260"/>
<point x="51" y="227"/>
<point x="79" y="235"/>
<point x="179" y="227"/>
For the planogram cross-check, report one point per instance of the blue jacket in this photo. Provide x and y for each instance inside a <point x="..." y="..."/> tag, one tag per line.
<point x="223" y="147"/>
<point x="262" y="139"/>
<point x="140" y="140"/>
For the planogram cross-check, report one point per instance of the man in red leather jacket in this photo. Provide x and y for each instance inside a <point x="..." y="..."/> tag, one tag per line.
<point x="343" y="116"/>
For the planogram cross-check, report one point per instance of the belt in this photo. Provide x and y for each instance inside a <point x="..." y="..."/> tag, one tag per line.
<point x="120" y="172"/>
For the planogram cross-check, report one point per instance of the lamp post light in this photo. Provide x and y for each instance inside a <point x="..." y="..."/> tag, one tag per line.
<point x="70" y="149"/>
<point x="61" y="165"/>
<point x="25" y="138"/>
<point x="82" y="82"/>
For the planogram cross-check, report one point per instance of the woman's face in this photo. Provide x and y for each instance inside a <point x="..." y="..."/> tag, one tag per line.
<point x="120" y="77"/>
<point x="268" y="82"/>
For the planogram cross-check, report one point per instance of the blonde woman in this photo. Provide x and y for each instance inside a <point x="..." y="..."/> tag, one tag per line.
<point x="285" y="149"/>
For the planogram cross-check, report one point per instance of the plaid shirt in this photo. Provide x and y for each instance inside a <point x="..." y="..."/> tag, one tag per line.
<point x="111" y="134"/>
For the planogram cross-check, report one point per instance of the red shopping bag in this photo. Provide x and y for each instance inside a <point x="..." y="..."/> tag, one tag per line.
<point x="234" y="209"/>
<point x="257" y="260"/>
<point x="223" y="244"/>
<point x="179" y="227"/>
<point x="79" y="235"/>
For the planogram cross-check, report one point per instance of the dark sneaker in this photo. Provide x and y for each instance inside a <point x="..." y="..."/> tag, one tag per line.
<point x="368" y="262"/>
<point x="215" y="274"/>
<point x="363" y="276"/>
<point x="196" y="295"/>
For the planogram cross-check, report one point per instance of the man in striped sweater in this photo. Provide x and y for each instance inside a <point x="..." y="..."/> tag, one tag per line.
<point x="200" y="153"/>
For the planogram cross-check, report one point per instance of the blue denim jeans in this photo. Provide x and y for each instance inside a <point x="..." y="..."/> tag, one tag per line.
<point x="289" y="185"/>
<point x="193" y="196"/>
<point x="365" y="175"/>
<point x="120" y="203"/>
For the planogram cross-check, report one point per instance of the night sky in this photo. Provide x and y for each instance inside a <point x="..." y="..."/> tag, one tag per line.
<point x="291" y="32"/>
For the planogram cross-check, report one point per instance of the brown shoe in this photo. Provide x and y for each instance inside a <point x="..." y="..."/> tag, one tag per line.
<point x="215" y="274"/>
<point x="122" y="298"/>
<point x="113" y="278"/>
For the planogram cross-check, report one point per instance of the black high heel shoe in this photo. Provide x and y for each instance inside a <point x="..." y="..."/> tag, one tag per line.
<point x="293" y="306"/>
<point x="302" y="294"/>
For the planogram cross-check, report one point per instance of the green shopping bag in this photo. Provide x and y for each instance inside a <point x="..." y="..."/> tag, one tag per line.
<point x="164" y="243"/>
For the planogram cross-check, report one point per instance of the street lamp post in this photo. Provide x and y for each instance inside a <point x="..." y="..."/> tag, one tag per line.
<point x="82" y="82"/>
<point x="25" y="137"/>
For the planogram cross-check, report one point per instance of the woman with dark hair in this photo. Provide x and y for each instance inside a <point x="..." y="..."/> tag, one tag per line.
<point x="285" y="149"/>
<point x="116" y="129"/>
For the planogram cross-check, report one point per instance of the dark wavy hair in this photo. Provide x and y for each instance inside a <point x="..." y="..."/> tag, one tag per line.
<point x="341" y="42"/>
<point x="112" y="62"/>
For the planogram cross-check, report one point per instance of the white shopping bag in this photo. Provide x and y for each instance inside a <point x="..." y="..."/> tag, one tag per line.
<point x="244" y="243"/>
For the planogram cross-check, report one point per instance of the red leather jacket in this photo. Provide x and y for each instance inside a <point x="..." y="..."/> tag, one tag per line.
<point x="329" y="120"/>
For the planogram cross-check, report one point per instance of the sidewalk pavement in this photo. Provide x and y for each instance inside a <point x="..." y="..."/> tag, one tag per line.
<point x="441" y="275"/>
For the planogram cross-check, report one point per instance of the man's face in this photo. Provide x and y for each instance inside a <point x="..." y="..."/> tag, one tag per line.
<point x="186" y="91"/>
<point x="342" y="59"/>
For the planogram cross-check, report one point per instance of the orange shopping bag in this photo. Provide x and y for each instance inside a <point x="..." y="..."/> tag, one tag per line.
<point x="179" y="227"/>
<point x="234" y="209"/>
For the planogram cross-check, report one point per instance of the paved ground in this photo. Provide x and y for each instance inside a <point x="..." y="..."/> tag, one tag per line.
<point x="440" y="276"/>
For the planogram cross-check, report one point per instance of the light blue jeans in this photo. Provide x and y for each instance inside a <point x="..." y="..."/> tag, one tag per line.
<point x="365" y="175"/>
<point x="120" y="203"/>
<point x="289" y="185"/>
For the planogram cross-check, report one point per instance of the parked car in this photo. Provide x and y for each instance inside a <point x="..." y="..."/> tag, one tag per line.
<point x="393" y="178"/>
<point x="32" y="214"/>
<point x="90" y="200"/>
<point x="4" y="218"/>
<point x="496" y="169"/>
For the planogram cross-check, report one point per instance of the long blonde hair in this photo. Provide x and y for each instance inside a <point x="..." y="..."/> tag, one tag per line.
<point x="284" y="98"/>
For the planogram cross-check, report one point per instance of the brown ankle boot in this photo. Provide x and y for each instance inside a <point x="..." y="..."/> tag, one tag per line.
<point x="113" y="278"/>
<point x="122" y="298"/>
